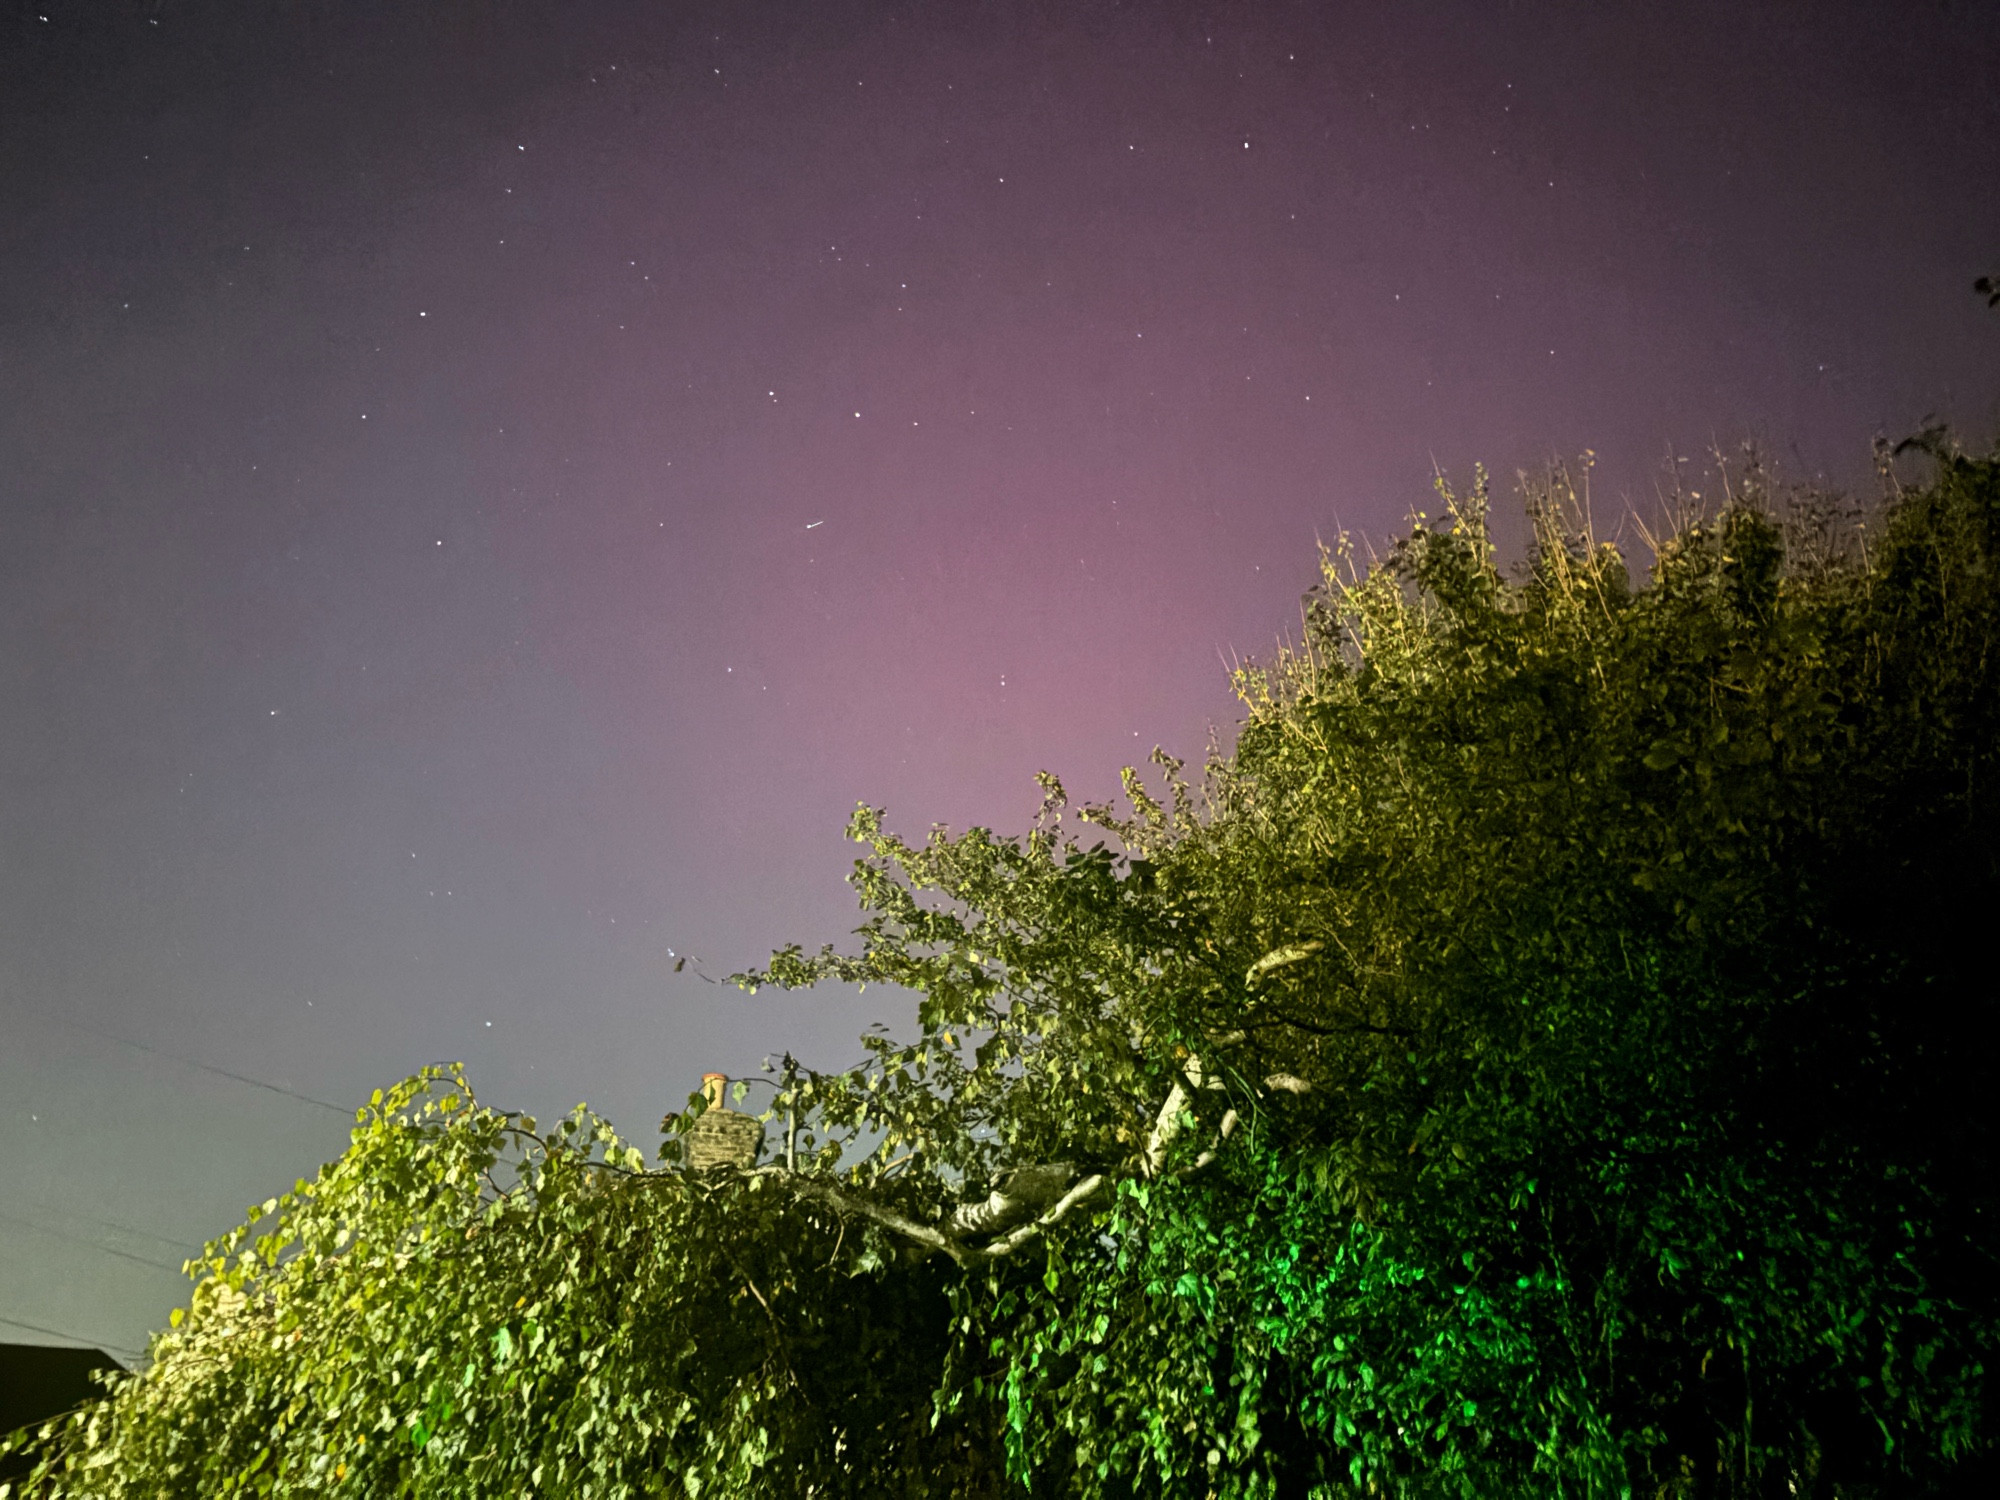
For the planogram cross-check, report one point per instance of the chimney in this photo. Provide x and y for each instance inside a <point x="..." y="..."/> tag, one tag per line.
<point x="721" y="1137"/>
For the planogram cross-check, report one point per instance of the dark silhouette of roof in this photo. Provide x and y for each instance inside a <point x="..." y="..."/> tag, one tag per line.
<point x="37" y="1381"/>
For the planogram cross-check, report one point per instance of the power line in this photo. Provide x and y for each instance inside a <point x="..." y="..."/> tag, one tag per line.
<point x="144" y="1234"/>
<point x="188" y="1062"/>
<point x="78" y="1239"/>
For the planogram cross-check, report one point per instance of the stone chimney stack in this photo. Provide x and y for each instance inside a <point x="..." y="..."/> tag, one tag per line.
<point x="722" y="1137"/>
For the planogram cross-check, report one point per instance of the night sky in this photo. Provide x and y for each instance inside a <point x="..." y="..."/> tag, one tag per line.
<point x="485" y="489"/>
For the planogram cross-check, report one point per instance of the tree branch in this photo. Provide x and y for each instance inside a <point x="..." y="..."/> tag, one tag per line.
<point x="1031" y="1188"/>
<point x="1007" y="1244"/>
<point x="1348" y="1029"/>
<point x="888" y="1218"/>
<point x="1027" y="1191"/>
<point x="1167" y="1124"/>
<point x="1278" y="958"/>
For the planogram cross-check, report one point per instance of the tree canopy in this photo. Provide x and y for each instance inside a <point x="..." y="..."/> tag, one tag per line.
<point x="1543" y="1055"/>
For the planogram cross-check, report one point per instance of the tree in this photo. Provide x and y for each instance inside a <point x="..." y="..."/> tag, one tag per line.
<point x="1544" y="1056"/>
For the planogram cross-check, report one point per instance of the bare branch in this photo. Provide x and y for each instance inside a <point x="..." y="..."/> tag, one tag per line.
<point x="1007" y="1244"/>
<point x="1167" y="1124"/>
<point x="1025" y="1193"/>
<point x="1278" y="958"/>
<point x="888" y="1218"/>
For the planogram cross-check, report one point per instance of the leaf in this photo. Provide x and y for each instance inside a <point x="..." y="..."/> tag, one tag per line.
<point x="1663" y="755"/>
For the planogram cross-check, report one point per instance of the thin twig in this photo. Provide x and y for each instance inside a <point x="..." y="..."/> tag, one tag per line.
<point x="777" y="1333"/>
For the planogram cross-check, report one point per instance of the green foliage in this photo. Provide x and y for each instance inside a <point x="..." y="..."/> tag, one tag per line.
<point x="1543" y="1057"/>
<point x="462" y="1305"/>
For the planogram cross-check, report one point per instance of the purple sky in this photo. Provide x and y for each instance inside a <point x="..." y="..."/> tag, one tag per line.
<point x="484" y="490"/>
